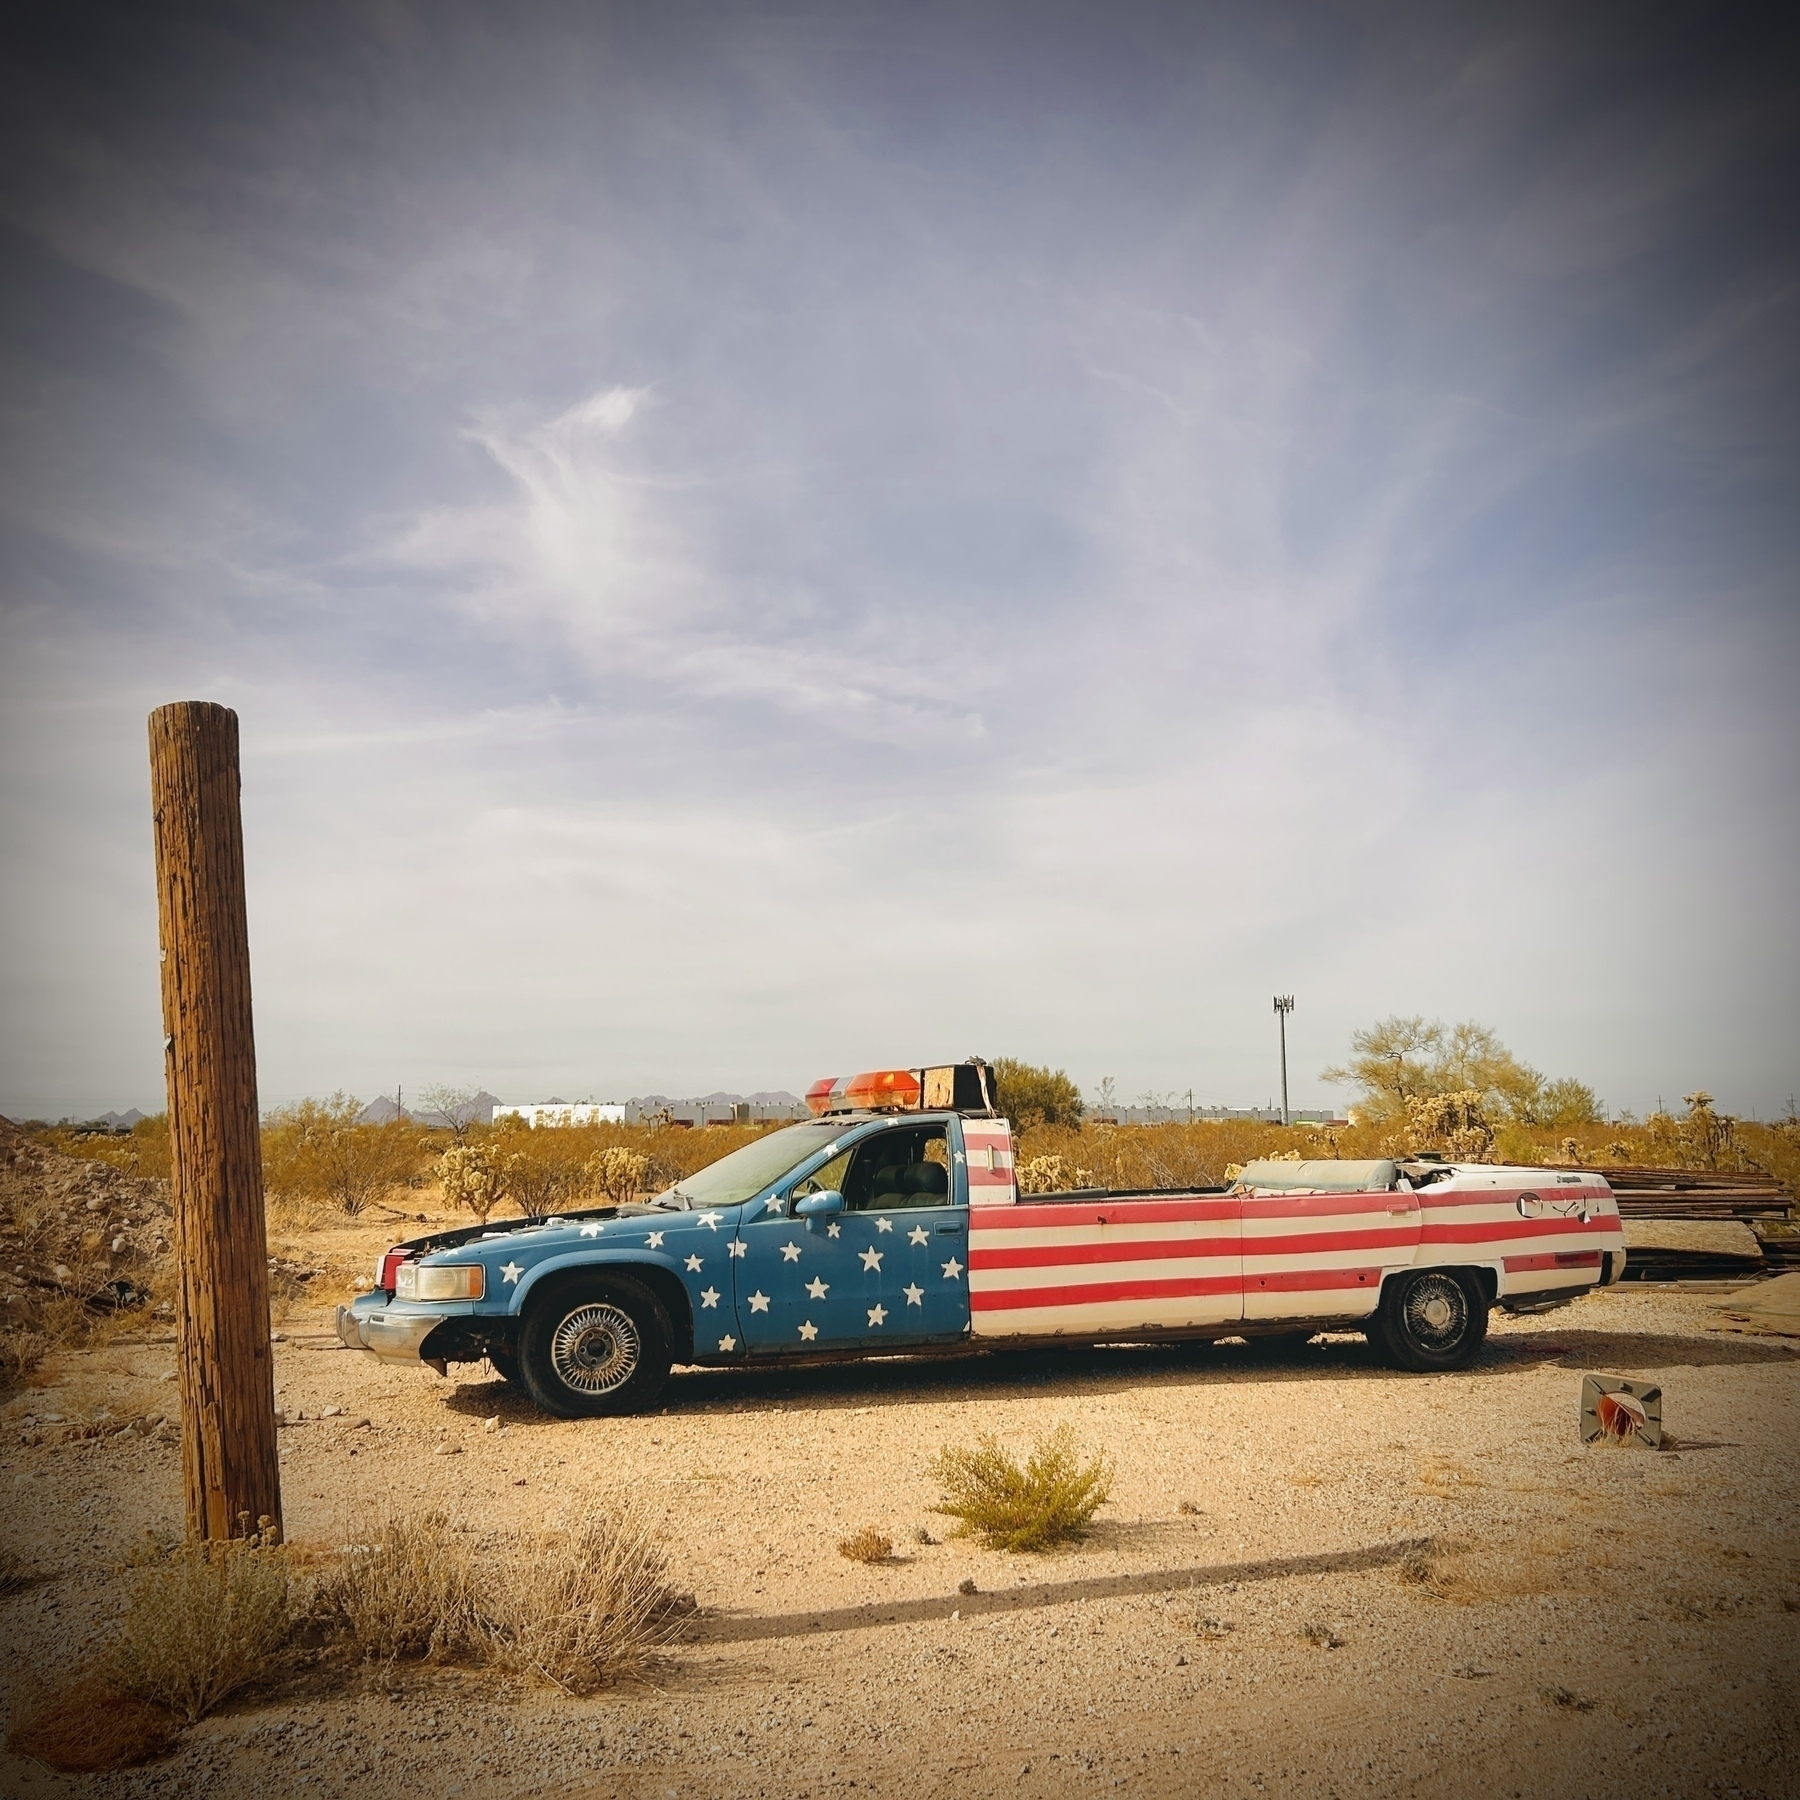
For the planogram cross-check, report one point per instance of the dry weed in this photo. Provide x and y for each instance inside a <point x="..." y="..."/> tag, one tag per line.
<point x="582" y="1608"/>
<point x="1562" y="1697"/>
<point x="88" y="1725"/>
<point x="867" y="1546"/>
<point x="203" y="1620"/>
<point x="1048" y="1501"/>
<point x="1444" y="1478"/>
<point x="1322" y="1637"/>
<point x="13" y="1572"/>
<point x="411" y="1594"/>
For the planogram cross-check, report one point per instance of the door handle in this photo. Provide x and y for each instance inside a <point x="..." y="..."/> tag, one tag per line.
<point x="952" y="1230"/>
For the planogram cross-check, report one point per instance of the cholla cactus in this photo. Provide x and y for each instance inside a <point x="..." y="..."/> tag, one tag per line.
<point x="473" y="1178"/>
<point x="617" y="1172"/>
<point x="1051" y="1175"/>
<point x="1451" y="1124"/>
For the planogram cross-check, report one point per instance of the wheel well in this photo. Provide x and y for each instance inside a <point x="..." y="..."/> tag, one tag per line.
<point x="1484" y="1278"/>
<point x="664" y="1285"/>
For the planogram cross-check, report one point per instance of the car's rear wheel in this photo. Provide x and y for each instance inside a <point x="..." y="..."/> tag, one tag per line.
<point x="599" y="1346"/>
<point x="1431" y="1320"/>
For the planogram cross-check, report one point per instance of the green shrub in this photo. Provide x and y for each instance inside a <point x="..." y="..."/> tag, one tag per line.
<point x="1048" y="1501"/>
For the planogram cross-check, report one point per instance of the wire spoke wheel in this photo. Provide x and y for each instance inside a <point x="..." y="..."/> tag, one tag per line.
<point x="1436" y="1312"/>
<point x="1433" y="1320"/>
<point x="596" y="1349"/>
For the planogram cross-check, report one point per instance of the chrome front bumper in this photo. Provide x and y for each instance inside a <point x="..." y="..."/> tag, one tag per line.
<point x="391" y="1336"/>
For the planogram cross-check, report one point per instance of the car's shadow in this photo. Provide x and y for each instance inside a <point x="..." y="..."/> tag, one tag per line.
<point x="1089" y="1370"/>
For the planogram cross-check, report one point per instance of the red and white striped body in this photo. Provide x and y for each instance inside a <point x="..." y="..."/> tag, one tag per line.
<point x="1107" y="1265"/>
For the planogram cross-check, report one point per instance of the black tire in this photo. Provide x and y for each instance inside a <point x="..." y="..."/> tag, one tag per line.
<point x="506" y="1365"/>
<point x="1431" y="1320"/>
<point x="596" y="1347"/>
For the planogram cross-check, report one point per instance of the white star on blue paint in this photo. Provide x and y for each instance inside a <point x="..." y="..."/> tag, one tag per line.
<point x="952" y="1269"/>
<point x="512" y="1272"/>
<point x="711" y="1220"/>
<point x="709" y="1297"/>
<point x="871" y="1259"/>
<point x="693" y="1263"/>
<point x="654" y="1240"/>
<point x="759" y="1301"/>
<point x="915" y="1296"/>
<point x="834" y="1229"/>
<point x="817" y="1288"/>
<point x="877" y="1315"/>
<point x="727" y="1344"/>
<point x="884" y="1224"/>
<point x="591" y="1228"/>
<point x="738" y="1247"/>
<point x="790" y="1252"/>
<point x="808" y="1330"/>
<point x="918" y="1235"/>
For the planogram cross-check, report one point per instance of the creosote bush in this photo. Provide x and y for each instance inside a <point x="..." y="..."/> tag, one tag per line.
<point x="203" y="1621"/>
<point x="1049" y="1501"/>
<point x="867" y="1546"/>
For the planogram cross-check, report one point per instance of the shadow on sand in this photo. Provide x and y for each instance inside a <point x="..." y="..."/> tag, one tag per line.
<point x="738" y="1628"/>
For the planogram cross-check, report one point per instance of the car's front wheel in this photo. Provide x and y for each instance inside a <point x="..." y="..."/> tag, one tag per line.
<point x="598" y="1346"/>
<point x="1432" y="1320"/>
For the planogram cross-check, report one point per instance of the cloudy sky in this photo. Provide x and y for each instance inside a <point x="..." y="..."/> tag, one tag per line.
<point x="751" y="541"/>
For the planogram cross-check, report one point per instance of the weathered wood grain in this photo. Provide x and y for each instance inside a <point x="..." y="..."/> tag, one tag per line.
<point x="230" y="1472"/>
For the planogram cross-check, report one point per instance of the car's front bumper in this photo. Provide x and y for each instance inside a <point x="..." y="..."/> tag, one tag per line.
<point x="386" y="1333"/>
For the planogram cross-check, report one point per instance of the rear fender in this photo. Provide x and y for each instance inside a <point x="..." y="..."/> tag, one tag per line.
<point x="1487" y="1275"/>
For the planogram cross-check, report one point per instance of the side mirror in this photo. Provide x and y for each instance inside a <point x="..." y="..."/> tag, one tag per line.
<point x="819" y="1206"/>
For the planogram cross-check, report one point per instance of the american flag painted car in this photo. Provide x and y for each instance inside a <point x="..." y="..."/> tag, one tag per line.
<point x="892" y="1224"/>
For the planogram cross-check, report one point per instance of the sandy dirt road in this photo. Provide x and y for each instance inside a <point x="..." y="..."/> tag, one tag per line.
<point x="1597" y="1621"/>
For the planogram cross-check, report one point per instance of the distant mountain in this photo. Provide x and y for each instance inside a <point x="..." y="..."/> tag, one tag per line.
<point x="383" y="1111"/>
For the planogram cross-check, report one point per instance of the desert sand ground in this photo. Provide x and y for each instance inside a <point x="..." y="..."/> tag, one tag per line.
<point x="1600" y="1621"/>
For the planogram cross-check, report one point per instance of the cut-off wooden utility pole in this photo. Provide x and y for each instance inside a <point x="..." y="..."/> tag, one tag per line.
<point x="229" y="1467"/>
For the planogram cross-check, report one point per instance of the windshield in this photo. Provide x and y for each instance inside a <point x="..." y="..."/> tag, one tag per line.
<point x="748" y="1171"/>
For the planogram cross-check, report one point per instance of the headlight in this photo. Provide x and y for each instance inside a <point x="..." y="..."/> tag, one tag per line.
<point x="440" y="1281"/>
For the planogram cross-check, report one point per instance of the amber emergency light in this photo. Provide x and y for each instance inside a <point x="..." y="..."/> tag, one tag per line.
<point x="965" y="1086"/>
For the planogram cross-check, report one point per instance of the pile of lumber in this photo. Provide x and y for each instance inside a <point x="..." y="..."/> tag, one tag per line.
<point x="1645" y="1193"/>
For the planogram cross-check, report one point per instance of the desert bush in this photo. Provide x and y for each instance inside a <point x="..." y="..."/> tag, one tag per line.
<point x="202" y="1621"/>
<point x="867" y="1546"/>
<point x="472" y="1179"/>
<point x="618" y="1172"/>
<point x="1050" y="1175"/>
<point x="22" y="1351"/>
<point x="1049" y="1501"/>
<point x="1029" y="1095"/>
<point x="411" y="1594"/>
<point x="540" y="1169"/>
<point x="582" y="1608"/>
<point x="321" y="1149"/>
<point x="87" y="1724"/>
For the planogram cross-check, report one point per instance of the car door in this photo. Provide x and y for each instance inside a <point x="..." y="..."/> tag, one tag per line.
<point x="1321" y="1255"/>
<point x="889" y="1268"/>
